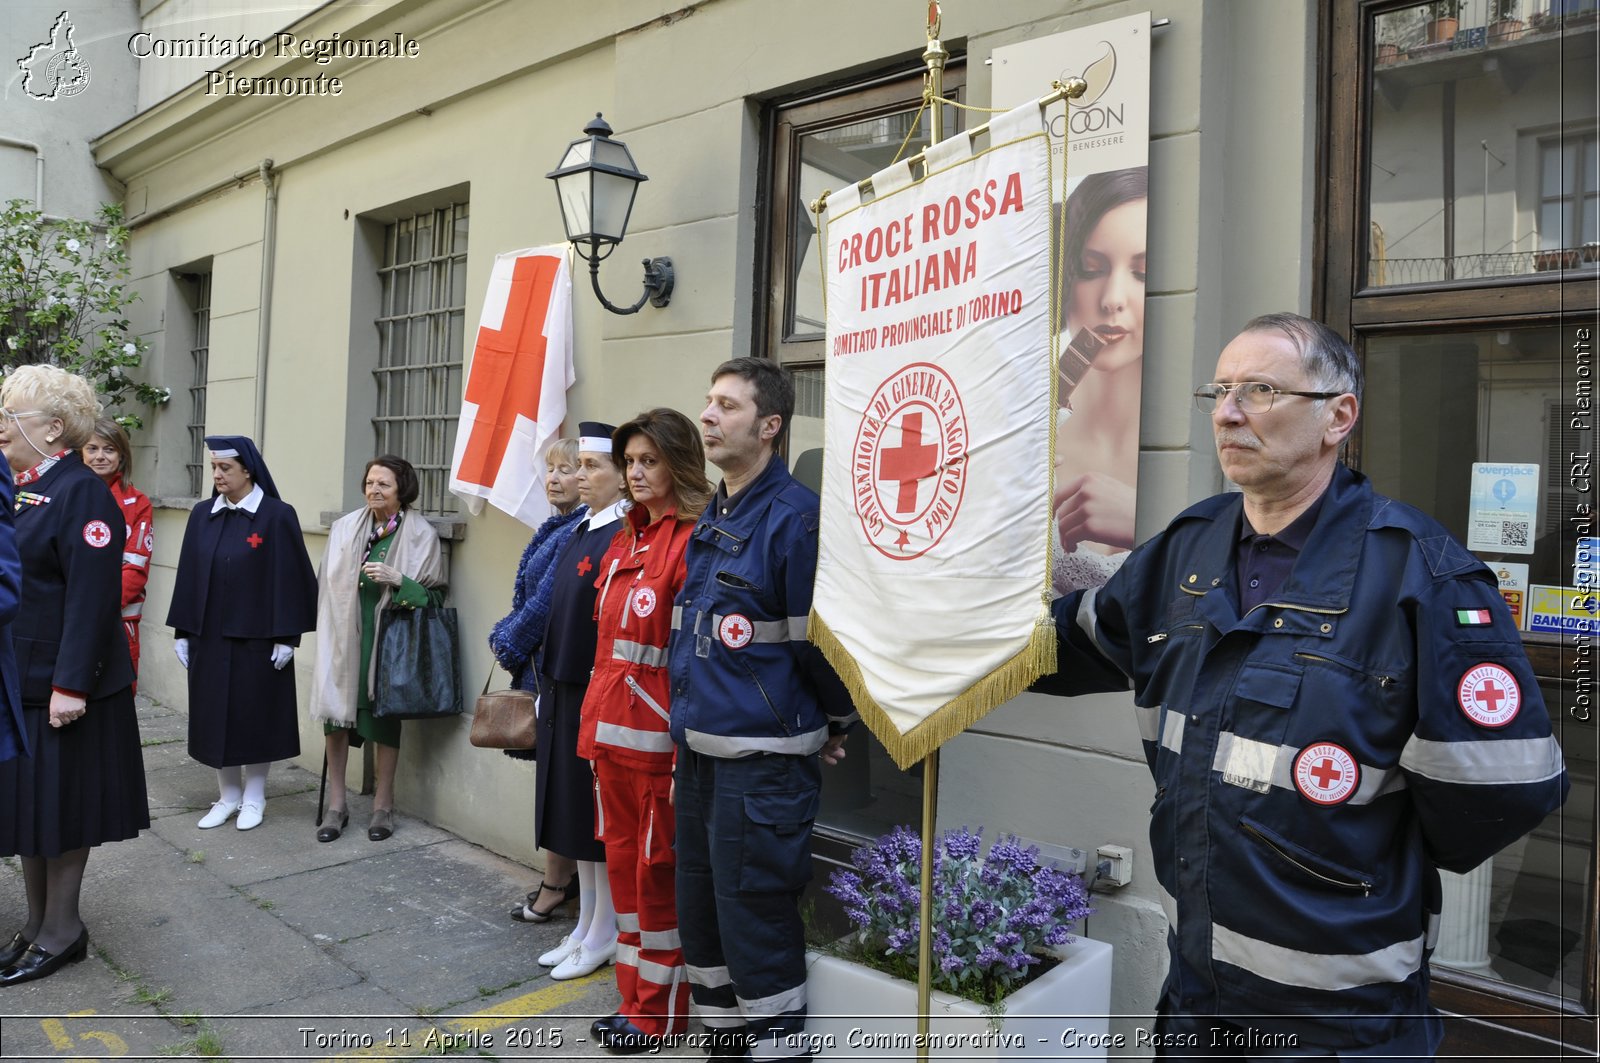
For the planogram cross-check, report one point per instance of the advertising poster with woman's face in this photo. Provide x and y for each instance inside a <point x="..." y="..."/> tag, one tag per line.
<point x="1099" y="375"/>
<point x="1100" y="365"/>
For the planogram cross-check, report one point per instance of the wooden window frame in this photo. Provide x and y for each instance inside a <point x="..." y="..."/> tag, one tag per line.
<point x="786" y="122"/>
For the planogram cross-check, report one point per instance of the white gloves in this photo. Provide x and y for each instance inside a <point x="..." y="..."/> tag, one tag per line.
<point x="378" y="572"/>
<point x="281" y="655"/>
<point x="181" y="648"/>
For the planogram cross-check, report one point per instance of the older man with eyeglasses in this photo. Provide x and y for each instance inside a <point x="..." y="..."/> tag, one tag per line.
<point x="1335" y="704"/>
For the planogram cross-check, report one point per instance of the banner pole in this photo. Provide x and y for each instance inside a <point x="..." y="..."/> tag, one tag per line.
<point x="935" y="56"/>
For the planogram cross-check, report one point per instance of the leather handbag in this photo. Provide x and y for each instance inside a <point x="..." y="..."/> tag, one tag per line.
<point x="419" y="664"/>
<point x="504" y="719"/>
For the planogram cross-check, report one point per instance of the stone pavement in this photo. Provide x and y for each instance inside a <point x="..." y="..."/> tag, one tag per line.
<point x="265" y="945"/>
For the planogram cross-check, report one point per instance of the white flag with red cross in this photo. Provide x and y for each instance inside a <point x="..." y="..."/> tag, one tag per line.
<point x="932" y="586"/>
<point x="515" y="396"/>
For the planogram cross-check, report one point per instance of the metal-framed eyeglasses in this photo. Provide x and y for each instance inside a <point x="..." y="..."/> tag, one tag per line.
<point x="1251" y="396"/>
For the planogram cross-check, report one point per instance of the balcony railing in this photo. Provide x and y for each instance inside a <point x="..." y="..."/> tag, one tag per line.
<point x="1382" y="272"/>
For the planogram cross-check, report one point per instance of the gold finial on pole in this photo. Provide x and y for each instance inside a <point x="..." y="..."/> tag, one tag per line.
<point x="820" y="204"/>
<point x="935" y="56"/>
<point x="1071" y="88"/>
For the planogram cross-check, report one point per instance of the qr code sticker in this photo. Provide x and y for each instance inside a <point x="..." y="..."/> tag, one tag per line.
<point x="1514" y="532"/>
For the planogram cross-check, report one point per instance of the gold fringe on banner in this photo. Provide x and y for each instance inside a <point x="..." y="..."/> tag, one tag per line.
<point x="1037" y="658"/>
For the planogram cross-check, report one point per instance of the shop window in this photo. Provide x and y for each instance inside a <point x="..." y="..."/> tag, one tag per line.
<point x="1458" y="232"/>
<point x="1469" y="174"/>
<point x="421" y="331"/>
<point x="820" y="142"/>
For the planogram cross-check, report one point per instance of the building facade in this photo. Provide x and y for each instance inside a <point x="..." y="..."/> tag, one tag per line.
<point x="314" y="232"/>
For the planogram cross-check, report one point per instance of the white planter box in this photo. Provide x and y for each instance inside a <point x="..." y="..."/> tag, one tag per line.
<point x="854" y="1012"/>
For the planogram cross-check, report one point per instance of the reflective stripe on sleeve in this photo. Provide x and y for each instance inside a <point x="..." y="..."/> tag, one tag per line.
<point x="1493" y="762"/>
<point x="133" y="611"/>
<point x="136" y="560"/>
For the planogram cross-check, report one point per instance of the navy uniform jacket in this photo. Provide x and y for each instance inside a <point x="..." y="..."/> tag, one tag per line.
<point x="277" y="596"/>
<point x="70" y="635"/>
<point x="1317" y="759"/>
<point x="13" y="739"/>
<point x="567" y="655"/>
<point x="745" y="680"/>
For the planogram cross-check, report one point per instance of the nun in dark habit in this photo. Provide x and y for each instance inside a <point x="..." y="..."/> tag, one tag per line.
<point x="244" y="594"/>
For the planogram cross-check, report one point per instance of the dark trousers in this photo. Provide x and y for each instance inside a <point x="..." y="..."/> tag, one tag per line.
<point x="744" y="855"/>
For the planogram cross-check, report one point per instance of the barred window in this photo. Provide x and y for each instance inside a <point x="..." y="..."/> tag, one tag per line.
<point x="199" y="354"/>
<point x="423" y="276"/>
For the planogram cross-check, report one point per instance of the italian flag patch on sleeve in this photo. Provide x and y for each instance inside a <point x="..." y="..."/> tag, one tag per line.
<point x="1473" y="617"/>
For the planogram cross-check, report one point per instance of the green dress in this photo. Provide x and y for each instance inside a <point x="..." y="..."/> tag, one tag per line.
<point x="410" y="592"/>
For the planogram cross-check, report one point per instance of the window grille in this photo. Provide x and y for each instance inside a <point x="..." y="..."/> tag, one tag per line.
<point x="199" y="353"/>
<point x="420" y="337"/>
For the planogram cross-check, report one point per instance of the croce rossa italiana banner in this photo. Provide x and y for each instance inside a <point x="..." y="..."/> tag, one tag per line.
<point x="932" y="582"/>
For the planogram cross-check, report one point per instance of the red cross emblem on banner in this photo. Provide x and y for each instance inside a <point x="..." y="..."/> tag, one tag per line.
<point x="1489" y="695"/>
<point x="909" y="463"/>
<point x="255" y="540"/>
<point x="1326" y="773"/>
<point x="913" y="434"/>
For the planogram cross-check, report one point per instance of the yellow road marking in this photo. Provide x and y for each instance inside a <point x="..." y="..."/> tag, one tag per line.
<point x="538" y="1004"/>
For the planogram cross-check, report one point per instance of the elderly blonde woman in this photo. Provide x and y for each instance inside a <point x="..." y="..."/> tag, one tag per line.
<point x="380" y="555"/>
<point x="83" y="784"/>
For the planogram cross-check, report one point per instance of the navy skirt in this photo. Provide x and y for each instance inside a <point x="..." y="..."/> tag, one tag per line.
<point x="563" y="807"/>
<point x="83" y="786"/>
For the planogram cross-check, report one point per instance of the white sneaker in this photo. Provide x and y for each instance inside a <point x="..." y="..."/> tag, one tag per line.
<point x="583" y="961"/>
<point x="220" y="813"/>
<point x="249" y="816"/>
<point x="568" y="946"/>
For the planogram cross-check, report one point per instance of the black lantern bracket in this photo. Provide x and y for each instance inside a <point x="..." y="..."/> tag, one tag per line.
<point x="658" y="280"/>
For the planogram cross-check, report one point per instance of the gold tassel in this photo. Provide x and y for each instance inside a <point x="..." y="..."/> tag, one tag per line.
<point x="1037" y="658"/>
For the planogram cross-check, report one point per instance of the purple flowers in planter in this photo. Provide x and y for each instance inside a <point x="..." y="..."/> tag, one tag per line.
<point x="993" y="913"/>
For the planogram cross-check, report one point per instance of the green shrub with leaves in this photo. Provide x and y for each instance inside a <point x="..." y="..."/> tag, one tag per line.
<point x="63" y="302"/>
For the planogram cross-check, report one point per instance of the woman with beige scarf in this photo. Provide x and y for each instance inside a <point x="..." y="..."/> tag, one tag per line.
<point x="380" y="555"/>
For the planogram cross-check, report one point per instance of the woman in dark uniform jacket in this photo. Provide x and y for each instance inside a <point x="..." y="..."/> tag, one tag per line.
<point x="564" y="797"/>
<point x="244" y="594"/>
<point x="84" y="782"/>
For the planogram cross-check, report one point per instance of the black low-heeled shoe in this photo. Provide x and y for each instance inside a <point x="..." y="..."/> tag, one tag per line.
<point x="626" y="1039"/>
<point x="13" y="950"/>
<point x="330" y="830"/>
<point x="36" y="963"/>
<point x="601" y="1029"/>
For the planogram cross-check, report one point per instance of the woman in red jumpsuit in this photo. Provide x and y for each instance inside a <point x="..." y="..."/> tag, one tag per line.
<point x="625" y="716"/>
<point x="109" y="456"/>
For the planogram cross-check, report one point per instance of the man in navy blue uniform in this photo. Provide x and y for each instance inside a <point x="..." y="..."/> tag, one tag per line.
<point x="755" y="708"/>
<point x="1334" y="702"/>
